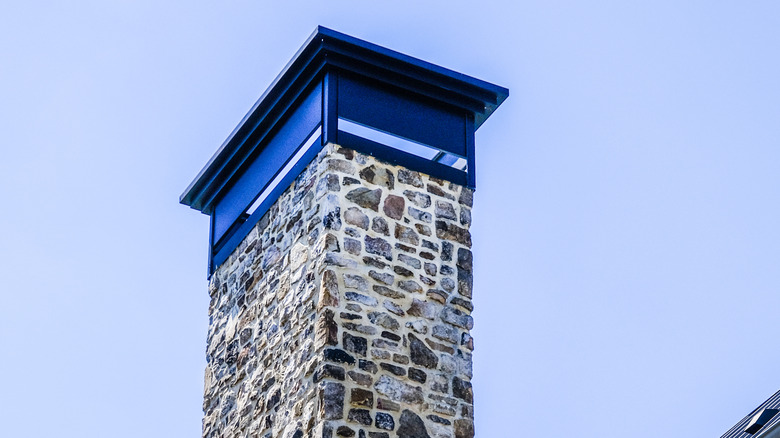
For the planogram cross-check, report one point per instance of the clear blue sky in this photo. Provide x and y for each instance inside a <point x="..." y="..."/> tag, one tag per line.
<point x="626" y="221"/>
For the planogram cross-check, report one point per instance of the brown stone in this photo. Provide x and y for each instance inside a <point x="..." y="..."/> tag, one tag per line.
<point x="464" y="428"/>
<point x="394" y="206"/>
<point x="462" y="390"/>
<point x="362" y="397"/>
<point x="379" y="176"/>
<point x="329" y="290"/>
<point x="449" y="231"/>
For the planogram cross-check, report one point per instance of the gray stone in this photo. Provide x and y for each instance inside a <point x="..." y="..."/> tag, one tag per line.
<point x="360" y="298"/>
<point x="448" y="284"/>
<point x="409" y="177"/>
<point x="347" y="181"/>
<point x="384" y="320"/>
<point x="272" y="255"/>
<point x="342" y="166"/>
<point x="354" y="216"/>
<point x="465" y="216"/>
<point x="338" y="355"/>
<point x="398" y="391"/>
<point x="360" y="416"/>
<point x="418" y="326"/>
<point x="387" y="292"/>
<point x="445" y="333"/>
<point x="355" y="282"/>
<point x="406" y="235"/>
<point x="421" y="200"/>
<point x="446" y="252"/>
<point x="360" y="378"/>
<point x="427" y="280"/>
<point x="440" y="383"/>
<point x="421" y="354"/>
<point x="410" y="286"/>
<point x="466" y="197"/>
<point x="360" y="328"/>
<point x="420" y="215"/>
<point x="465" y="259"/>
<point x="445" y="210"/>
<point x="422" y="309"/>
<point x="436" y="190"/>
<point x="411" y="261"/>
<point x="417" y="375"/>
<point x="467" y="341"/>
<point x="384" y="421"/>
<point x="355" y="344"/>
<point x="393" y="369"/>
<point x="345" y="431"/>
<point x="457" y="318"/>
<point x="425" y="230"/>
<point x="402" y="271"/>
<point x="331" y="217"/>
<point x="365" y="198"/>
<point x="332" y="400"/>
<point x="379" y="225"/>
<point x="329" y="183"/>
<point x="352" y="246"/>
<point x="352" y="307"/>
<point x="379" y="247"/>
<point x="466" y="304"/>
<point x="337" y="259"/>
<point x="440" y="347"/>
<point x="382" y="277"/>
<point x="411" y="426"/>
<point x="430" y="245"/>
<point x="367" y="365"/>
<point x="375" y="262"/>
<point x="465" y="282"/>
<point x="329" y="370"/>
<point x="394" y="308"/>
<point x="440" y="420"/>
<point x="387" y="405"/>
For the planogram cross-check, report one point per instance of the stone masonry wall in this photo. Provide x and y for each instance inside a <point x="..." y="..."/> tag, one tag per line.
<point x="346" y="311"/>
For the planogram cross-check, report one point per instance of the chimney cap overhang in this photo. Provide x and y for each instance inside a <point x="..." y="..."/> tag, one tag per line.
<point x="324" y="50"/>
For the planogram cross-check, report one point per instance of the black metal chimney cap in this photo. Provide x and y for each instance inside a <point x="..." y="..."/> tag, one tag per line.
<point x="327" y="49"/>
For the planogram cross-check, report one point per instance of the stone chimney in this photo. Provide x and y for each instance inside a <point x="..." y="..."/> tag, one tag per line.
<point x="340" y="264"/>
